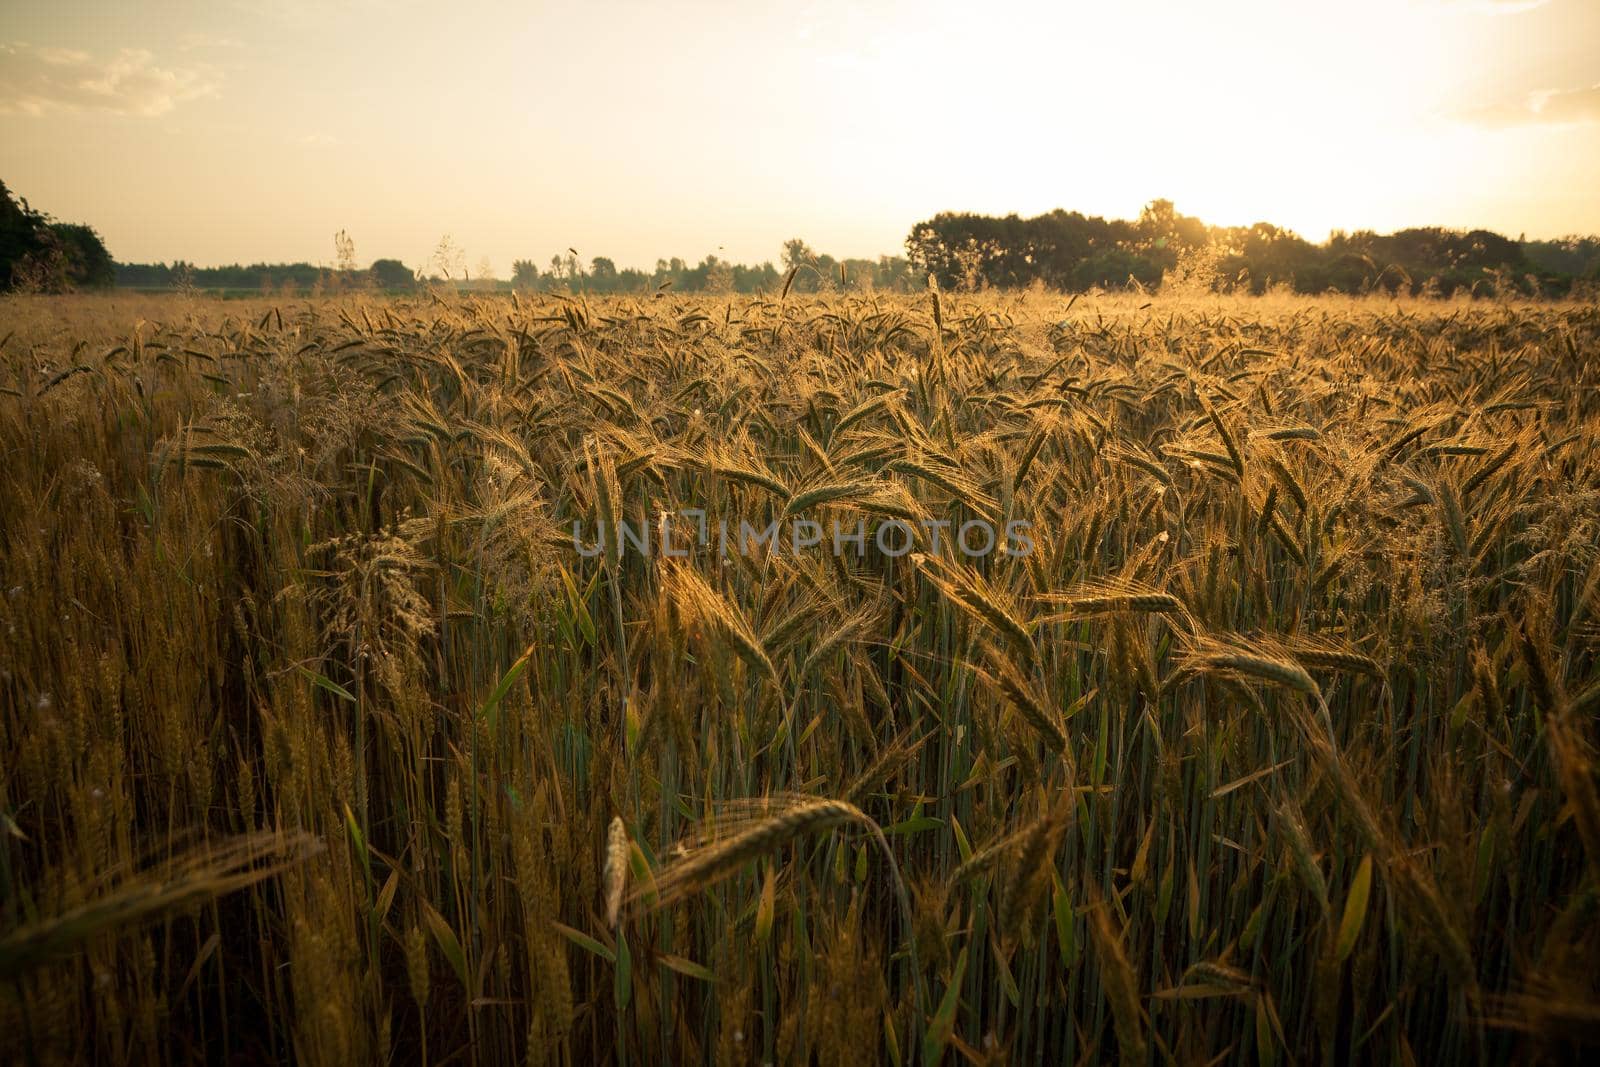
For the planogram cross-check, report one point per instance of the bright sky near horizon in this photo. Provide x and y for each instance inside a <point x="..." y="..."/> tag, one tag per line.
<point x="223" y="131"/>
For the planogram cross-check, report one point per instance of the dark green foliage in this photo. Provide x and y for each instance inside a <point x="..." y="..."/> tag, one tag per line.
<point x="86" y="262"/>
<point x="39" y="254"/>
<point x="1074" y="252"/>
<point x="1578" y="257"/>
<point x="818" y="272"/>
<point x="392" y="274"/>
<point x="21" y="234"/>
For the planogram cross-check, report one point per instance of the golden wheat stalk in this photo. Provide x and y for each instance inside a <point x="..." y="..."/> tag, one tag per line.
<point x="785" y="821"/>
<point x="202" y="873"/>
<point x="615" y="874"/>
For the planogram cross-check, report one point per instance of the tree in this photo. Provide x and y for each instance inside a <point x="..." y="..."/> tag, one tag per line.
<point x="21" y="236"/>
<point x="796" y="253"/>
<point x="1576" y="256"/>
<point x="524" y="274"/>
<point x="815" y="271"/>
<point x="40" y="254"/>
<point x="392" y="274"/>
<point x="718" y="275"/>
<point x="87" y="263"/>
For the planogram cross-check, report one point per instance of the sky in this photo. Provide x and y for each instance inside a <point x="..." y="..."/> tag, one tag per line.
<point x="252" y="130"/>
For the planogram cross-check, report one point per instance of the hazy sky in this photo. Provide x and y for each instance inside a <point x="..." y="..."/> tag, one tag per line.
<point x="246" y="130"/>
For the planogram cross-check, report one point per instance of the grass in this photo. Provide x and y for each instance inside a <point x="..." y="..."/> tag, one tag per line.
<point x="323" y="743"/>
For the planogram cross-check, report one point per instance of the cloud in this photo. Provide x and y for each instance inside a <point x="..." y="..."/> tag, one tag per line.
<point x="35" y="80"/>
<point x="1552" y="107"/>
<point x="1566" y="105"/>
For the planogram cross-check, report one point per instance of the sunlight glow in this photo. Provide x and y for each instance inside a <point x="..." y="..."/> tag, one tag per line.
<point x="635" y="130"/>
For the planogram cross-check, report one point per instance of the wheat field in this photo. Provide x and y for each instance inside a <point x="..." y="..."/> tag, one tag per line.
<point x="325" y="740"/>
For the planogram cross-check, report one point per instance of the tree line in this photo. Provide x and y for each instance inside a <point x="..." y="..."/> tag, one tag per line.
<point x="40" y="254"/>
<point x="812" y="272"/>
<point x="1062" y="250"/>
<point x="387" y="274"/>
<point x="566" y="273"/>
<point x="1072" y="252"/>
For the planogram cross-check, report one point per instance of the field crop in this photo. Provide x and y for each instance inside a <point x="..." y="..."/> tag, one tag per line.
<point x="324" y="740"/>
